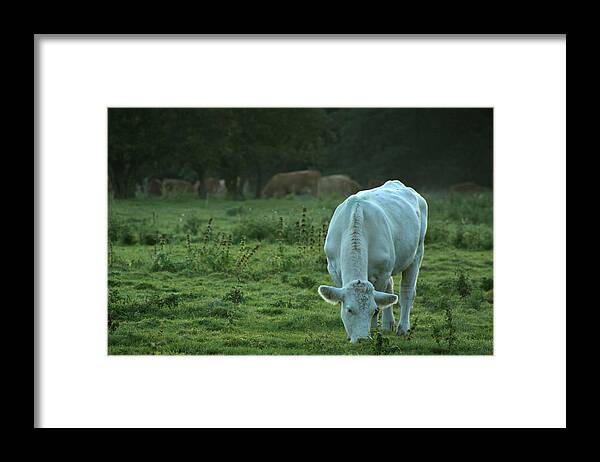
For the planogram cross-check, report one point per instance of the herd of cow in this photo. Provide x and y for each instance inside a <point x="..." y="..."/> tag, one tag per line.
<point x="157" y="187"/>
<point x="309" y="182"/>
<point x="306" y="182"/>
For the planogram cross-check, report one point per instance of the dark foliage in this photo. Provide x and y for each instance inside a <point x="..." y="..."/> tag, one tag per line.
<point x="424" y="148"/>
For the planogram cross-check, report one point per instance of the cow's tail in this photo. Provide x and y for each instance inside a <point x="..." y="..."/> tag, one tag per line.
<point x="356" y="223"/>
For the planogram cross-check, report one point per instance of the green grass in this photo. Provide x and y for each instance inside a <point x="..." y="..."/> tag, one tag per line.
<point x="177" y="288"/>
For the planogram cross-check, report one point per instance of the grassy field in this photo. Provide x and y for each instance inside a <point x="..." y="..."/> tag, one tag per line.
<point x="219" y="277"/>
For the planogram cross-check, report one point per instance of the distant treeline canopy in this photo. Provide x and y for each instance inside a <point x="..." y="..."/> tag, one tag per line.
<point x="424" y="148"/>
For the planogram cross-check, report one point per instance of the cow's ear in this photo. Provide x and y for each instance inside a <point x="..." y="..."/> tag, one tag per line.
<point x="330" y="294"/>
<point x="384" y="299"/>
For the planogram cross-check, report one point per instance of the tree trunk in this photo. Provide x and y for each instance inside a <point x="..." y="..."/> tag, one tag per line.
<point x="259" y="182"/>
<point x="231" y="185"/>
<point x="201" y="177"/>
<point x="124" y="189"/>
<point x="123" y="185"/>
<point x="240" y="187"/>
<point x="202" y="190"/>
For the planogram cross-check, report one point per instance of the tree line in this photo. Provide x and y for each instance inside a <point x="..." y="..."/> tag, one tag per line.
<point x="430" y="148"/>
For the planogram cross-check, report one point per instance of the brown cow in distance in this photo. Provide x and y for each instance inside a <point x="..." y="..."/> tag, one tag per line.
<point x="171" y="185"/>
<point x="375" y="183"/>
<point x="211" y="186"/>
<point x="196" y="186"/>
<point x="341" y="185"/>
<point x="154" y="187"/>
<point x="467" y="187"/>
<point x="299" y="182"/>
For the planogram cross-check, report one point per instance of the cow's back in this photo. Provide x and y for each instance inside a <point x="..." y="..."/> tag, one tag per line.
<point x="392" y="219"/>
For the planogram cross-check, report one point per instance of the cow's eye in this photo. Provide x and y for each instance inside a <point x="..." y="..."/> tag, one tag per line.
<point x="350" y="311"/>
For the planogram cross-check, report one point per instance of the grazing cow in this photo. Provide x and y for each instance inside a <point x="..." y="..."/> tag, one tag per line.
<point x="212" y="186"/>
<point x="177" y="186"/>
<point x="467" y="187"/>
<point x="300" y="182"/>
<point x="341" y="185"/>
<point x="154" y="187"/>
<point x="374" y="235"/>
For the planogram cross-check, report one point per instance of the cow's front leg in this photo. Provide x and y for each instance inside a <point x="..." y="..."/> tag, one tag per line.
<point x="388" y="323"/>
<point x="374" y="321"/>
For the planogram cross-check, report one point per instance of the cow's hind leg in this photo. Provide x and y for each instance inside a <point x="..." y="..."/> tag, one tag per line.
<point x="387" y="316"/>
<point x="408" y="291"/>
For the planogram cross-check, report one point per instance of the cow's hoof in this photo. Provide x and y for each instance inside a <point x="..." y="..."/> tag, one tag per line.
<point x="402" y="332"/>
<point x="388" y="327"/>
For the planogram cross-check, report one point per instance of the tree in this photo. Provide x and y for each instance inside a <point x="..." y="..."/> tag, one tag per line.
<point x="203" y="136"/>
<point x="131" y="135"/>
<point x="267" y="140"/>
<point x="422" y="147"/>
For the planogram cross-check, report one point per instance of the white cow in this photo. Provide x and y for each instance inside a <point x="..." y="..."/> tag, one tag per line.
<point x="373" y="235"/>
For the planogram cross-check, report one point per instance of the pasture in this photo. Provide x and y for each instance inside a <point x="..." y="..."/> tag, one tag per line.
<point x="219" y="277"/>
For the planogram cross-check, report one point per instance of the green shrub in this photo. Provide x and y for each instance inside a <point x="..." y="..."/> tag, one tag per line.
<point x="462" y="283"/>
<point x="465" y="208"/>
<point x="437" y="232"/>
<point x="288" y="303"/>
<point x="461" y="236"/>
<point x="217" y="256"/>
<point x="458" y="237"/>
<point x="171" y="300"/>
<point x="271" y="311"/>
<point x="235" y="295"/>
<point x="218" y="308"/>
<point x="486" y="283"/>
<point x="224" y="309"/>
<point x="304" y="231"/>
<point x="304" y="282"/>
<point x="114" y="229"/>
<point x="149" y="236"/>
<point x="381" y="345"/>
<point x="113" y="324"/>
<point x="444" y="333"/>
<point x="474" y="300"/>
<point x="477" y="238"/>
<point x="162" y="261"/>
<point x="255" y="229"/>
<point x="234" y="211"/>
<point x="191" y="225"/>
<point x="134" y="231"/>
<point x="486" y="239"/>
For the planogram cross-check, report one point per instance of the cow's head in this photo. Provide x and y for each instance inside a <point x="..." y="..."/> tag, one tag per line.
<point x="359" y="302"/>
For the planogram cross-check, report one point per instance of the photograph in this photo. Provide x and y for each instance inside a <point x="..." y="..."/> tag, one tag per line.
<point x="300" y="231"/>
